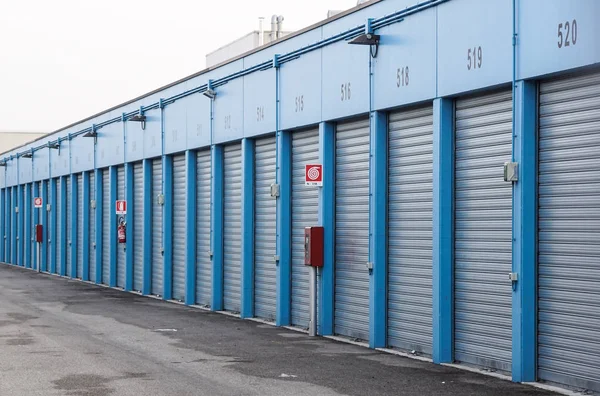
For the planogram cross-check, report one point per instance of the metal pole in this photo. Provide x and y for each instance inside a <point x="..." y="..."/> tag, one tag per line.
<point x="312" y="325"/>
<point x="39" y="256"/>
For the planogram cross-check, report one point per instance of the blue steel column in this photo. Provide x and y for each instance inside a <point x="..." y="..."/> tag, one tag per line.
<point x="112" y="197"/>
<point x="284" y="228"/>
<point x="27" y="227"/>
<point x="98" y="220"/>
<point x="130" y="220"/>
<point x="378" y="230"/>
<point x="13" y="223"/>
<point x="44" y="222"/>
<point x="7" y="214"/>
<point x="327" y="220"/>
<point x="443" y="230"/>
<point x="147" y="270"/>
<point x="85" y="276"/>
<point x="74" y="229"/>
<point x="216" y="220"/>
<point x="53" y="220"/>
<point x="190" y="227"/>
<point x="21" y="219"/>
<point x="168" y="227"/>
<point x="35" y="219"/>
<point x="524" y="252"/>
<point x="247" y="297"/>
<point x="2" y="211"/>
<point x="63" y="225"/>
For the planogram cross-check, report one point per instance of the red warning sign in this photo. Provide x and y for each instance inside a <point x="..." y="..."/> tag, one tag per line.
<point x="313" y="175"/>
<point x="121" y="207"/>
<point x="37" y="202"/>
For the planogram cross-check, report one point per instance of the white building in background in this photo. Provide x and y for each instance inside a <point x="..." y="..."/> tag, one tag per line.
<point x="10" y="140"/>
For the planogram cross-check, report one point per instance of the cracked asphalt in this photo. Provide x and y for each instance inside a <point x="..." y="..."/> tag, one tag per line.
<point x="65" y="337"/>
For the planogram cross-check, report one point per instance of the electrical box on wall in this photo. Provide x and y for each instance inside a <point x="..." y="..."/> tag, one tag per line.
<point x="313" y="246"/>
<point x="511" y="171"/>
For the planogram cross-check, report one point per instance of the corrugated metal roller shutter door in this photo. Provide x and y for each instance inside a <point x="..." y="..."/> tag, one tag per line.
<point x="138" y="227"/>
<point x="352" y="229"/>
<point x="58" y="240"/>
<point x="265" y="232"/>
<point x="69" y="225"/>
<point x="203" y="261"/>
<point x="569" y="232"/>
<point x="92" y="230"/>
<point x="410" y="217"/>
<point x="80" y="231"/>
<point x="179" y="222"/>
<point x="483" y="231"/>
<point x="305" y="213"/>
<point x="106" y="212"/>
<point x="157" y="225"/>
<point x="232" y="228"/>
<point x="120" y="246"/>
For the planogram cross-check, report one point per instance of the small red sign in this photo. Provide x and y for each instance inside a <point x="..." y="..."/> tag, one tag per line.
<point x="37" y="202"/>
<point x="313" y="175"/>
<point x="121" y="207"/>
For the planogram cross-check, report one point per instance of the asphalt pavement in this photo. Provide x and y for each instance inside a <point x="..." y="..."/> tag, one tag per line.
<point x="65" y="337"/>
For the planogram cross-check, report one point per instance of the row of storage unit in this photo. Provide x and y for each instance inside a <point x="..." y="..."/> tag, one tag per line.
<point x="204" y="228"/>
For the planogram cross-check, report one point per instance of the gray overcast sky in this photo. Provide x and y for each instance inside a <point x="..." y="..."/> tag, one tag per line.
<point x="64" y="60"/>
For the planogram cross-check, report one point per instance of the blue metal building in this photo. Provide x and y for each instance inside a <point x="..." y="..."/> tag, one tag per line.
<point x="412" y="133"/>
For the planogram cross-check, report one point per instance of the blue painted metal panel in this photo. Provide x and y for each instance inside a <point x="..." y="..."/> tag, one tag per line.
<point x="168" y="227"/>
<point x="175" y="124"/>
<point x="112" y="197"/>
<point x="443" y="231"/>
<point x="524" y="303"/>
<point x="378" y="235"/>
<point x="259" y="103"/>
<point x="129" y="218"/>
<point x="147" y="165"/>
<point x="345" y="81"/>
<point x="284" y="229"/>
<point x="540" y="49"/>
<point x="109" y="147"/>
<point x="134" y="141"/>
<point x="74" y="229"/>
<point x="85" y="222"/>
<point x="300" y="91"/>
<point x="458" y="34"/>
<point x="59" y="160"/>
<point x="283" y="47"/>
<point x="99" y="224"/>
<point x="190" y="253"/>
<point x="216" y="220"/>
<point x="228" y="108"/>
<point x="11" y="173"/>
<point x="327" y="221"/>
<point x="41" y="169"/>
<point x="25" y="170"/>
<point x="82" y="154"/>
<point x="53" y="226"/>
<point x="62" y="223"/>
<point x="152" y="135"/>
<point x="3" y="177"/>
<point x="404" y="70"/>
<point x="198" y="121"/>
<point x="247" y="293"/>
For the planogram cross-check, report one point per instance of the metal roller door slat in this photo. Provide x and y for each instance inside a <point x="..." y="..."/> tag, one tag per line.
<point x="179" y="229"/>
<point x="138" y="227"/>
<point x="232" y="226"/>
<point x="569" y="231"/>
<point x="69" y="226"/>
<point x="58" y="239"/>
<point x="92" y="230"/>
<point x="265" y="233"/>
<point x="483" y="231"/>
<point x="203" y="210"/>
<point x="410" y="216"/>
<point x="352" y="229"/>
<point x="106" y="212"/>
<point x="157" y="225"/>
<point x="80" y="231"/>
<point x="120" y="246"/>
<point x="305" y="213"/>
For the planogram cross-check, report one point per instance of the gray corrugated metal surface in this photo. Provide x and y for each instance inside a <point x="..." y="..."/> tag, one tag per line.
<point x="58" y="238"/>
<point x="138" y="226"/>
<point x="483" y="231"/>
<point x="203" y="261"/>
<point x="352" y="229"/>
<point x="80" y="231"/>
<point x="92" y="230"/>
<point x="120" y="246"/>
<point x="157" y="225"/>
<point x="305" y="213"/>
<point x="232" y="226"/>
<point x="179" y="228"/>
<point x="68" y="237"/>
<point x="569" y="231"/>
<point x="106" y="212"/>
<point x="410" y="217"/>
<point x="265" y="233"/>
